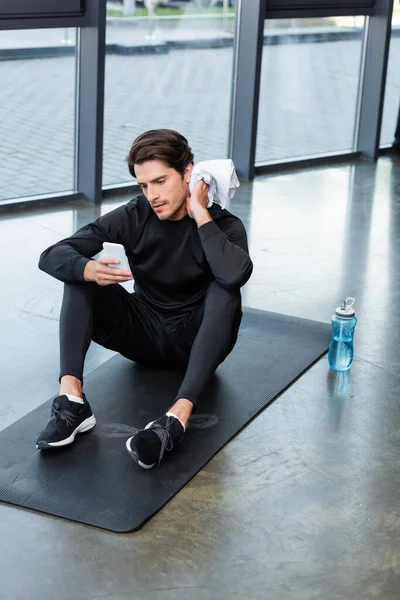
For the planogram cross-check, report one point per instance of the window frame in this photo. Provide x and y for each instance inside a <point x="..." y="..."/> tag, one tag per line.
<point x="43" y="14"/>
<point x="302" y="9"/>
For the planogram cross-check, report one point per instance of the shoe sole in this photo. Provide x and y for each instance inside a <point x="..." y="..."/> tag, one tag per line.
<point x="86" y="425"/>
<point x="135" y="456"/>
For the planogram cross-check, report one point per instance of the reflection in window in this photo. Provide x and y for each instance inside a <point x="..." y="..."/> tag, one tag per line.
<point x="37" y="112"/>
<point x="392" y="90"/>
<point x="309" y="87"/>
<point x="169" y="71"/>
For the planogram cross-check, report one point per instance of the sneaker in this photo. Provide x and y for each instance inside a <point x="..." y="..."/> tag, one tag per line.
<point x="148" y="445"/>
<point x="67" y="419"/>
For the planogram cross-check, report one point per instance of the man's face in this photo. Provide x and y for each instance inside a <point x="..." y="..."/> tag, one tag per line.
<point x="164" y="188"/>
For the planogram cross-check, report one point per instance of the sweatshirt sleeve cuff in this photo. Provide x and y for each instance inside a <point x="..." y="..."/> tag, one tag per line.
<point x="79" y="267"/>
<point x="208" y="229"/>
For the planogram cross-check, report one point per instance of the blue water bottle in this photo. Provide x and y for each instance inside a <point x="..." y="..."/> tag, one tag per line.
<point x="341" y="349"/>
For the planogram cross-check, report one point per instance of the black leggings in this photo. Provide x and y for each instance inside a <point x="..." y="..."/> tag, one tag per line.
<point x="195" y="342"/>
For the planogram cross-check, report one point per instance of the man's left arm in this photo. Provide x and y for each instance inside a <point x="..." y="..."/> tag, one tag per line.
<point x="226" y="251"/>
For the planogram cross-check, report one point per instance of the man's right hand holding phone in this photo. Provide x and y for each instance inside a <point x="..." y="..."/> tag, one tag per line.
<point x="99" y="272"/>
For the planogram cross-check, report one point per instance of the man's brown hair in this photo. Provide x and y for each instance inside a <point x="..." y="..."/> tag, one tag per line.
<point x="166" y="145"/>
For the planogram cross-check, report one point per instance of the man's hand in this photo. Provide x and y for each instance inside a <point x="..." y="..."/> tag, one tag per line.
<point x="99" y="272"/>
<point x="196" y="204"/>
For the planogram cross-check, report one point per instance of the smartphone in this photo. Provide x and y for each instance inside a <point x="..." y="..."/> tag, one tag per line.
<point x="116" y="251"/>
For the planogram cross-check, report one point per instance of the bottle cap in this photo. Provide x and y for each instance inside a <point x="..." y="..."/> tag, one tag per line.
<point x="346" y="310"/>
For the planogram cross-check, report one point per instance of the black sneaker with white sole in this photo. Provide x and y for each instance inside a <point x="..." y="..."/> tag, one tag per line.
<point x="67" y="420"/>
<point x="148" y="445"/>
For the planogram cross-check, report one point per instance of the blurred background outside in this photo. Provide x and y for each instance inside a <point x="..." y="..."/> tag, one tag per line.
<point x="170" y="64"/>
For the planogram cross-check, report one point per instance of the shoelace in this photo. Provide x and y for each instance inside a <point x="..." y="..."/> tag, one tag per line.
<point x="162" y="431"/>
<point x="59" y="412"/>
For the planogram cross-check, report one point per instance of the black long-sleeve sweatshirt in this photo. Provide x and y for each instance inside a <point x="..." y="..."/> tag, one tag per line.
<point x="172" y="262"/>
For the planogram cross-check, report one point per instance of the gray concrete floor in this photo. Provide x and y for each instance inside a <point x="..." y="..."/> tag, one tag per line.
<point x="304" y="503"/>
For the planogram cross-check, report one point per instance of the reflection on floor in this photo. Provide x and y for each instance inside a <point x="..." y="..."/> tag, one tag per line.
<point x="304" y="503"/>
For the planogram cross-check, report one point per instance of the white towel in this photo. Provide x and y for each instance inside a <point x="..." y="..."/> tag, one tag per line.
<point x="220" y="176"/>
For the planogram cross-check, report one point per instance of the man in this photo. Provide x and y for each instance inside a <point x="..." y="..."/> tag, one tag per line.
<point x="188" y="264"/>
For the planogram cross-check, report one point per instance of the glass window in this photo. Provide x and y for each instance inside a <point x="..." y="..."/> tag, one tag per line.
<point x="169" y="70"/>
<point x="309" y="87"/>
<point x="37" y="112"/>
<point x="392" y="91"/>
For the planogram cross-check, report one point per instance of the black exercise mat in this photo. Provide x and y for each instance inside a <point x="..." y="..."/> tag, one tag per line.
<point x="96" y="482"/>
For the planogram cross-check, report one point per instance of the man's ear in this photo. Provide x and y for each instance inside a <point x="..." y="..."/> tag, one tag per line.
<point x="188" y="173"/>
